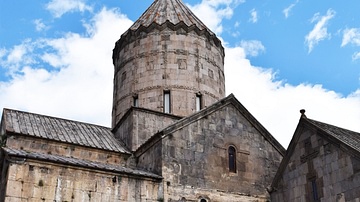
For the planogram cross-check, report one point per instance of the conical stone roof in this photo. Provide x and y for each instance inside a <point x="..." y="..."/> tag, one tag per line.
<point x="162" y="14"/>
<point x="173" y="11"/>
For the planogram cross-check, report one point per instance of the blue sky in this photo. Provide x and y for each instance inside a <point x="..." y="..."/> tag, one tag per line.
<point x="55" y="57"/>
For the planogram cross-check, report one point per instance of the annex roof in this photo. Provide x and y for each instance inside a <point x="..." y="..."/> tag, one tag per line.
<point x="77" y="162"/>
<point x="67" y="131"/>
<point x="343" y="136"/>
<point x="340" y="136"/>
<point x="173" y="11"/>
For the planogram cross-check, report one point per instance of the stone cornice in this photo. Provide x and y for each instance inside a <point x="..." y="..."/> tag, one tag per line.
<point x="132" y="35"/>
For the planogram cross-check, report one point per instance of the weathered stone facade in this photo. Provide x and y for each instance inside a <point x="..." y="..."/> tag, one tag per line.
<point x="139" y="124"/>
<point x="193" y="156"/>
<point x="42" y="181"/>
<point x="202" y="148"/>
<point x="318" y="167"/>
<point x="35" y="168"/>
<point x="196" y="158"/>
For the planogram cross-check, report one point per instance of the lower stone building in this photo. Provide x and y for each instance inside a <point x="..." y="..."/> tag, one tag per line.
<point x="221" y="153"/>
<point x="174" y="137"/>
<point x="322" y="163"/>
<point x="51" y="159"/>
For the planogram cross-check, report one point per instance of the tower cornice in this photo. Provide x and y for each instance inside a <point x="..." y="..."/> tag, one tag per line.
<point x="131" y="35"/>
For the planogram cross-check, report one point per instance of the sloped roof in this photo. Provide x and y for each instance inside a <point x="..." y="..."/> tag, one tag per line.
<point x="203" y="113"/>
<point x="78" y="162"/>
<point x="173" y="11"/>
<point x="162" y="14"/>
<point x="342" y="137"/>
<point x="67" y="131"/>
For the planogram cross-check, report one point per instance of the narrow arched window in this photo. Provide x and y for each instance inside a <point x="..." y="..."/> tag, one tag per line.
<point x="232" y="159"/>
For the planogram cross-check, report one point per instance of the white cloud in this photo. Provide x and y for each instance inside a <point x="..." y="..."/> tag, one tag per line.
<point x="13" y="58"/>
<point x="252" y="47"/>
<point x="3" y="52"/>
<point x="351" y="36"/>
<point x="80" y="87"/>
<point x="60" y="7"/>
<point x="212" y="12"/>
<point x="319" y="32"/>
<point x="288" y="9"/>
<point x="356" y="56"/>
<point x="276" y="104"/>
<point x="39" y="25"/>
<point x="17" y="53"/>
<point x="254" y="16"/>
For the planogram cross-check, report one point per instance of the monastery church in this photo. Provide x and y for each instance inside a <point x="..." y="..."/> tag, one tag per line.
<point x="174" y="134"/>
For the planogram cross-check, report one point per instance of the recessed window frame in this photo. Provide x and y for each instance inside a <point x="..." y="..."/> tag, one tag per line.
<point x="314" y="190"/>
<point x="167" y="101"/>
<point x="232" y="159"/>
<point x="198" y="102"/>
<point x="135" y="100"/>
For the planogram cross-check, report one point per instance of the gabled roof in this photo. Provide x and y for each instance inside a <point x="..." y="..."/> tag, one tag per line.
<point x="203" y="113"/>
<point x="77" y="162"/>
<point x="341" y="135"/>
<point x="62" y="130"/>
<point x="344" y="138"/>
<point x="173" y="11"/>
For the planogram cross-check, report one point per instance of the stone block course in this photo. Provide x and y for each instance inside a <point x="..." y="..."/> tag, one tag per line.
<point x="68" y="184"/>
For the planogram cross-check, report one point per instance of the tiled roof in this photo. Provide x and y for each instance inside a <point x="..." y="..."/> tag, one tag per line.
<point x="78" y="162"/>
<point x="62" y="130"/>
<point x="173" y="11"/>
<point x="347" y="137"/>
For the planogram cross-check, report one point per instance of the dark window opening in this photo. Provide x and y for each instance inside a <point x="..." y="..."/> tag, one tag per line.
<point x="203" y="200"/>
<point x="315" y="195"/>
<point x="198" y="102"/>
<point x="167" y="102"/>
<point x="232" y="159"/>
<point x="135" y="101"/>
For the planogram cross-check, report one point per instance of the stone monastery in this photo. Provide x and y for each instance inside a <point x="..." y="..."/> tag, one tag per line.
<point x="174" y="135"/>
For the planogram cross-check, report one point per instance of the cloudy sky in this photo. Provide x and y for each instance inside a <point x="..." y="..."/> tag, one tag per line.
<point x="281" y="56"/>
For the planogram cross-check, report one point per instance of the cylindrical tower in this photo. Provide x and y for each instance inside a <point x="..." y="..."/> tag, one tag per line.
<point x="168" y="61"/>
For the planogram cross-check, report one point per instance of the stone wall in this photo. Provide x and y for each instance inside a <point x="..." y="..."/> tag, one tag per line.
<point x="140" y="124"/>
<point x="39" y="181"/>
<point x="319" y="170"/>
<point x="180" y="62"/>
<point x="150" y="158"/>
<point x="44" y="146"/>
<point x="195" y="159"/>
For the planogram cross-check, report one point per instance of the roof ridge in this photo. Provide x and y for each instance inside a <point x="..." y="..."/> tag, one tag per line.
<point x="344" y="136"/>
<point x="315" y="122"/>
<point x="54" y="158"/>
